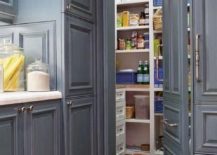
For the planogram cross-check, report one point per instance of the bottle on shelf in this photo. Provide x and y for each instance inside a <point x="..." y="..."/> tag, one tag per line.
<point x="146" y="75"/>
<point x="140" y="73"/>
<point x="134" y="39"/>
<point x="142" y="19"/>
<point x="146" y="13"/>
<point x="140" y="42"/>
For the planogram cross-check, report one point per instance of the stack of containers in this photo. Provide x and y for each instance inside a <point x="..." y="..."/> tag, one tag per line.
<point x="120" y="122"/>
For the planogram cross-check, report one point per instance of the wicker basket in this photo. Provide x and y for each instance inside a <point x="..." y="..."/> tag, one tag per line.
<point x="158" y="20"/>
<point x="130" y="110"/>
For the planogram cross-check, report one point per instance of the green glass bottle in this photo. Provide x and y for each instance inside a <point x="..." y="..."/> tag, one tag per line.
<point x="140" y="73"/>
<point x="146" y="75"/>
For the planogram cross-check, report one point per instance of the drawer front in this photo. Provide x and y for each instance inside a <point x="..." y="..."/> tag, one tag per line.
<point x="120" y="149"/>
<point x="120" y="127"/>
<point x="120" y="112"/>
<point x="120" y="95"/>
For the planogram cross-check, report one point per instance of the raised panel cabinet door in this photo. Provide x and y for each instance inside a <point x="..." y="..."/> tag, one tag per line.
<point x="82" y="8"/>
<point x="8" y="8"/>
<point x="81" y="135"/>
<point x="79" y="57"/>
<point x="11" y="131"/>
<point x="42" y="128"/>
<point x="205" y="76"/>
<point x="175" y="121"/>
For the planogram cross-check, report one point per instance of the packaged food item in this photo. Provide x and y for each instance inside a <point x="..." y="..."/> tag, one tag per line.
<point x="12" y="59"/>
<point x="128" y="44"/>
<point x="134" y="19"/>
<point x="125" y="18"/>
<point x="134" y="40"/>
<point x="140" y="42"/>
<point x="121" y="44"/>
<point x="119" y="20"/>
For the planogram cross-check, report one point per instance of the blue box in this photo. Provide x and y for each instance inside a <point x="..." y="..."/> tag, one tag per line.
<point x="158" y="2"/>
<point x="126" y="77"/>
<point x="158" y="80"/>
<point x="158" y="105"/>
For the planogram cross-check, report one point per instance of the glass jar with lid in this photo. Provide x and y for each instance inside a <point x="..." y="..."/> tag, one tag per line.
<point x="12" y="61"/>
<point x="38" y="78"/>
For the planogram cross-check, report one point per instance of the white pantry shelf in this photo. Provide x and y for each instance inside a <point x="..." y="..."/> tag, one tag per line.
<point x="138" y="121"/>
<point x="133" y="51"/>
<point x="135" y="151"/>
<point x="132" y="2"/>
<point x="132" y="28"/>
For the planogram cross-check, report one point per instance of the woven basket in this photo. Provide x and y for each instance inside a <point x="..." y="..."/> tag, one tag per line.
<point x="158" y="20"/>
<point x="130" y="112"/>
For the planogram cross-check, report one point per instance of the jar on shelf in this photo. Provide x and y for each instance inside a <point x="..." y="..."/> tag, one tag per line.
<point x="38" y="78"/>
<point x="12" y="61"/>
<point x="140" y="42"/>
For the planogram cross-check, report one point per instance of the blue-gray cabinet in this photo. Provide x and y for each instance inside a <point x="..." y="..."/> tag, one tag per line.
<point x="205" y="77"/>
<point x="80" y="126"/>
<point x="78" y="43"/>
<point x="8" y="9"/>
<point x="30" y="129"/>
<point x="176" y="122"/>
<point x="11" y="130"/>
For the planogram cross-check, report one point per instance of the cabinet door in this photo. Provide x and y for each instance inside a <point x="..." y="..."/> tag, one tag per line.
<point x="205" y="76"/>
<point x="79" y="57"/>
<point x="82" y="8"/>
<point x="176" y="138"/>
<point x="8" y="8"/>
<point x="11" y="127"/>
<point x="42" y="128"/>
<point x="80" y="127"/>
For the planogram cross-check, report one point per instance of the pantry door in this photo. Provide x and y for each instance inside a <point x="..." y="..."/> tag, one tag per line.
<point x="204" y="40"/>
<point x="176" y="135"/>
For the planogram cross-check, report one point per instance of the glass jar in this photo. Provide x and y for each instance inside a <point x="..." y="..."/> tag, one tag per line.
<point x="38" y="78"/>
<point x="12" y="59"/>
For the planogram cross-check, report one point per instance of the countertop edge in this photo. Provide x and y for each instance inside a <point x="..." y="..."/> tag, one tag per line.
<point x="28" y="97"/>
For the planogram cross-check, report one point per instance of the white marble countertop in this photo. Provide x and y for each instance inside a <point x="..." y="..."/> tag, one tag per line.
<point x="7" y="98"/>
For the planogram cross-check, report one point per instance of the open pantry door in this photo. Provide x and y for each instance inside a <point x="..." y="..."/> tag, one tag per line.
<point x="176" y="135"/>
<point x="204" y="39"/>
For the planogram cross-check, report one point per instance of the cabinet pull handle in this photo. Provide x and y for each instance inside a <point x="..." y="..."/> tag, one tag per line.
<point x="157" y="62"/>
<point x="30" y="108"/>
<point x="170" y="124"/>
<point x="197" y="57"/>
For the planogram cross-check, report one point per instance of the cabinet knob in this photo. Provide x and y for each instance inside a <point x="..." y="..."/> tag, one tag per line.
<point x="23" y="109"/>
<point x="68" y="7"/>
<point x="69" y="102"/>
<point x="30" y="108"/>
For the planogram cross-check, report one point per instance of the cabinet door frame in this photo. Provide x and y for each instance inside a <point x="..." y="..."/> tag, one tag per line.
<point x="11" y="113"/>
<point x="43" y="107"/>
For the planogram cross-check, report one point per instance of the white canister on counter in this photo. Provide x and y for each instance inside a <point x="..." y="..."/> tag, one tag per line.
<point x="38" y="78"/>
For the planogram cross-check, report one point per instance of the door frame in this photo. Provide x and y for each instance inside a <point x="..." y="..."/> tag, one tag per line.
<point x="108" y="31"/>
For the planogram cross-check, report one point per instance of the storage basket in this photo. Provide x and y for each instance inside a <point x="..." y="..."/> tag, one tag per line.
<point x="158" y="20"/>
<point x="130" y="112"/>
<point x="158" y="2"/>
<point x="158" y="105"/>
<point x="126" y="77"/>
